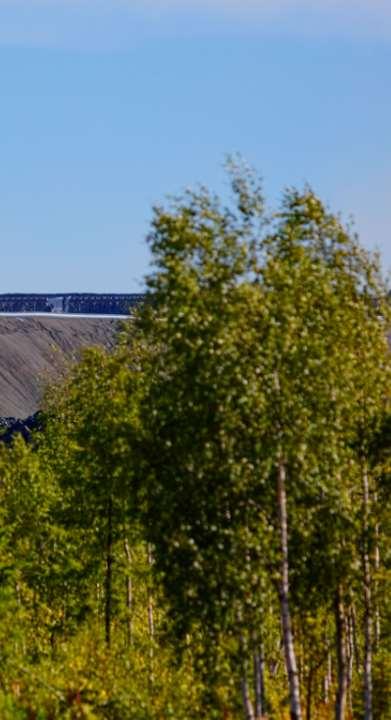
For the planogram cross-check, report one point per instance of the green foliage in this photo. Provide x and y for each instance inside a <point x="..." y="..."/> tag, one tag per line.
<point x="226" y="464"/>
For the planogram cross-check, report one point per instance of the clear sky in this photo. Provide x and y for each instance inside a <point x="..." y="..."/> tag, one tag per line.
<point x="108" y="105"/>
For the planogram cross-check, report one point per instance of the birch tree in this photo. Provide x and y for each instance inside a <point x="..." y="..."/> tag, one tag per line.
<point x="250" y="416"/>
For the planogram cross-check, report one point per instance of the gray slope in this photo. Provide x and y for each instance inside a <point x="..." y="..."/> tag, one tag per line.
<point x="34" y="349"/>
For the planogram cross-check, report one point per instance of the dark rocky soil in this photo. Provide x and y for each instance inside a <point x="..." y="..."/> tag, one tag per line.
<point x="33" y="350"/>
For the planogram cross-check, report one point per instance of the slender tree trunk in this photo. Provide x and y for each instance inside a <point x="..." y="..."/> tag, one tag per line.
<point x="328" y="678"/>
<point x="247" y="703"/>
<point x="368" y="621"/>
<point x="350" y="660"/>
<point x="287" y="634"/>
<point x="129" y="595"/>
<point x="340" y="622"/>
<point x="259" y="681"/>
<point x="355" y="643"/>
<point x="375" y="585"/>
<point x="109" y="572"/>
<point x="151" y="620"/>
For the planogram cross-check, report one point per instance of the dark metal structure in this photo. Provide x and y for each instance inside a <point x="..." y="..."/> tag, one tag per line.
<point x="83" y="303"/>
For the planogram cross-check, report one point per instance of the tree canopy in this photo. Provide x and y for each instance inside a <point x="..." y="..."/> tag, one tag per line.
<point x="201" y="529"/>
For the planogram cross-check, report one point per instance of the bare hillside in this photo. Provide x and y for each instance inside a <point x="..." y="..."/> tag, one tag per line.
<point x="33" y="349"/>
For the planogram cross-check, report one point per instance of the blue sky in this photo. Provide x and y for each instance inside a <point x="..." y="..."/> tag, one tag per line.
<point x="108" y="105"/>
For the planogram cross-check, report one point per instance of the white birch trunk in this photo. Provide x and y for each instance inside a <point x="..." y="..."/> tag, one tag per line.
<point x="377" y="568"/>
<point x="286" y="622"/>
<point x="109" y="573"/>
<point x="129" y="595"/>
<point x="328" y="678"/>
<point x="340" y="621"/>
<point x="259" y="682"/>
<point x="151" y="620"/>
<point x="247" y="703"/>
<point x="368" y="651"/>
<point x="350" y="659"/>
